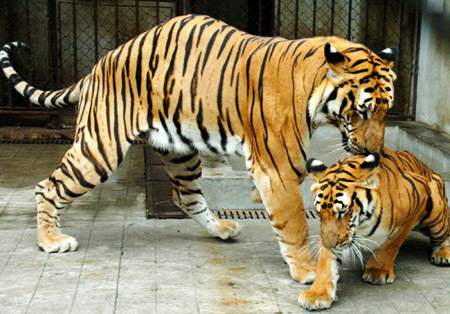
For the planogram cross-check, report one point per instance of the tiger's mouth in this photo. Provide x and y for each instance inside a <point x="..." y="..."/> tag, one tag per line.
<point x="349" y="147"/>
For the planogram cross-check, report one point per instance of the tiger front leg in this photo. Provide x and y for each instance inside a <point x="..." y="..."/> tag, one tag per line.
<point x="380" y="267"/>
<point x="323" y="291"/>
<point x="441" y="254"/>
<point x="284" y="203"/>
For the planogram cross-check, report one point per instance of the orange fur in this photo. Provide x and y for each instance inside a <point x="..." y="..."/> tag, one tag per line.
<point x="195" y="84"/>
<point x="362" y="196"/>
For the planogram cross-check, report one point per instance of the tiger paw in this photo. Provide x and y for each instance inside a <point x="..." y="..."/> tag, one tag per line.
<point x="377" y="276"/>
<point x="225" y="229"/>
<point x="303" y="273"/>
<point x="441" y="257"/>
<point x="60" y="244"/>
<point x="315" y="299"/>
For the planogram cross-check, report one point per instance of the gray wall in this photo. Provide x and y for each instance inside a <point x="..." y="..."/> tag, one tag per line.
<point x="433" y="104"/>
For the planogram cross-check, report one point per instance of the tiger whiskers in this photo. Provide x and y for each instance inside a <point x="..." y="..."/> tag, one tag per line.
<point x="312" y="245"/>
<point x="316" y="246"/>
<point x="358" y="240"/>
<point x="338" y="149"/>
<point x="358" y="253"/>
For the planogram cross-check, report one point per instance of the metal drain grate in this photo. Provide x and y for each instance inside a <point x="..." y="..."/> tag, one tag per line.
<point x="310" y="214"/>
<point x="253" y="214"/>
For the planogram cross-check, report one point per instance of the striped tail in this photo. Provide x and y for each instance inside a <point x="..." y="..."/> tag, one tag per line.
<point x="49" y="99"/>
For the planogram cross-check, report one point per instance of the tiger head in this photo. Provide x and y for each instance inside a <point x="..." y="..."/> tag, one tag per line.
<point x="355" y="94"/>
<point x="345" y="197"/>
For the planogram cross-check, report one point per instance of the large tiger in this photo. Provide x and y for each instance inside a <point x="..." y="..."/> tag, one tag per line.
<point x="195" y="84"/>
<point x="374" y="202"/>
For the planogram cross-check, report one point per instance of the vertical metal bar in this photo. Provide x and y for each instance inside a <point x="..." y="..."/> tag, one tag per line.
<point x="366" y="31"/>
<point x="278" y="18"/>
<point x="52" y="42"/>
<point x="157" y="12"/>
<point x="314" y="17"/>
<point x="74" y="34"/>
<point x="332" y="17"/>
<point x="222" y="10"/>
<point x="27" y="21"/>
<point x="137" y="17"/>
<point x="349" y="33"/>
<point x="96" y="30"/>
<point x="407" y="102"/>
<point x="116" y="21"/>
<point x="59" y="48"/>
<point x="415" y="63"/>
<point x="384" y="22"/>
<point x="179" y="9"/>
<point x="296" y="20"/>
<point x="28" y="36"/>
<point x="260" y="18"/>
<point x="243" y="17"/>
<point x="400" y="40"/>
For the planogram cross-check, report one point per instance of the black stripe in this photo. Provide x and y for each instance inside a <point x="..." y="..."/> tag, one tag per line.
<point x="86" y="152"/>
<point x="190" y="177"/>
<point x="166" y="129"/>
<point x="67" y="191"/>
<point x="203" y="131"/>
<point x="223" y="135"/>
<point x="208" y="49"/>
<point x="358" y="62"/>
<point x="183" y="159"/>
<point x="201" y="31"/>
<point x="225" y="40"/>
<point x="169" y="77"/>
<point x="176" y="122"/>
<point x="80" y="176"/>
<point x="50" y="201"/>
<point x="195" y="167"/>
<point x="310" y="53"/>
<point x="138" y="76"/>
<point x="194" y="83"/>
<point x="188" y="47"/>
<point x="375" y="227"/>
<point x="220" y="88"/>
<point x="168" y="40"/>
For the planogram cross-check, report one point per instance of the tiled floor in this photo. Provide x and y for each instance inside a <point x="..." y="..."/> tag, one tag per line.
<point x="127" y="264"/>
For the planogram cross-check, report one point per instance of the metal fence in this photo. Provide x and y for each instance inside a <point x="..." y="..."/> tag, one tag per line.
<point x="69" y="36"/>
<point x="378" y="24"/>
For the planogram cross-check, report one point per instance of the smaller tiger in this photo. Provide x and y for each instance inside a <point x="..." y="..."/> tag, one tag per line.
<point x="374" y="199"/>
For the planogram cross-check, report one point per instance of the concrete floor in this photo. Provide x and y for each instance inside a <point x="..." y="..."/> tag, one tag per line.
<point x="127" y="264"/>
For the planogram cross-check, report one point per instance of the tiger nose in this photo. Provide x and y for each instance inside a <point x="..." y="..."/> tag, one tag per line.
<point x="329" y="239"/>
<point x="356" y="142"/>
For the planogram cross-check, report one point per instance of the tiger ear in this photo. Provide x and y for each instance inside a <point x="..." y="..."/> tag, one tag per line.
<point x="389" y="55"/>
<point x="335" y="60"/>
<point x="372" y="161"/>
<point x="369" y="169"/>
<point x="315" y="169"/>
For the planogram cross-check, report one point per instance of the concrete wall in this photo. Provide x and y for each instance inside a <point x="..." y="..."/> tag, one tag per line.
<point x="433" y="104"/>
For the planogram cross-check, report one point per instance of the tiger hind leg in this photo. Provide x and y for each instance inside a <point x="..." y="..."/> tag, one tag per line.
<point x="184" y="172"/>
<point x="438" y="223"/>
<point x="80" y="170"/>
